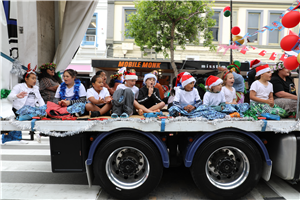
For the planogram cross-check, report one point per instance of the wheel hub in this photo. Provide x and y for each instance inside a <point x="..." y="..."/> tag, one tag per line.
<point x="226" y="167"/>
<point x="128" y="166"/>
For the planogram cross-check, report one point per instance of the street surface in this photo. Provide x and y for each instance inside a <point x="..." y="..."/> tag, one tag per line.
<point x="26" y="174"/>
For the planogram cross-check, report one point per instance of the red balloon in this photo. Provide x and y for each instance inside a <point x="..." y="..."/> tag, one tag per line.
<point x="291" y="63"/>
<point x="288" y="42"/>
<point x="235" y="30"/>
<point x="291" y="19"/>
<point x="226" y="8"/>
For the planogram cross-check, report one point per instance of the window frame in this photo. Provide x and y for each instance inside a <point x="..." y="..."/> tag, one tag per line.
<point x="281" y="33"/>
<point x="90" y="43"/>
<point x="123" y="22"/>
<point x="220" y="38"/>
<point x="259" y="35"/>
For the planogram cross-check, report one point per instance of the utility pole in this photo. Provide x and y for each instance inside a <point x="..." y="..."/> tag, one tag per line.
<point x="230" y="30"/>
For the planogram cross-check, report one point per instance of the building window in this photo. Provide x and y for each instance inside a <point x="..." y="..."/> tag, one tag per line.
<point x="274" y="36"/>
<point x="90" y="37"/>
<point x="253" y="25"/>
<point x="127" y="13"/>
<point x="215" y="29"/>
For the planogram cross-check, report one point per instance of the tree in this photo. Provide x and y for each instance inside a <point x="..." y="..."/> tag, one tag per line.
<point x="164" y="24"/>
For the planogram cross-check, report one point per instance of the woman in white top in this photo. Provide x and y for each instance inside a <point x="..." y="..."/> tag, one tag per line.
<point x="99" y="99"/>
<point x="228" y="89"/>
<point x="26" y="93"/>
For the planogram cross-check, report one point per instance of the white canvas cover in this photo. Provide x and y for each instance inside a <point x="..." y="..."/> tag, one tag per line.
<point x="77" y="17"/>
<point x="5" y="64"/>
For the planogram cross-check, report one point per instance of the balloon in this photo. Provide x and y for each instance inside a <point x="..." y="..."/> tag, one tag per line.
<point x="291" y="19"/>
<point x="235" y="30"/>
<point x="291" y="63"/>
<point x="288" y="42"/>
<point x="298" y="58"/>
<point x="227" y="13"/>
<point x="238" y="63"/>
<point x="226" y="8"/>
<point x="237" y="40"/>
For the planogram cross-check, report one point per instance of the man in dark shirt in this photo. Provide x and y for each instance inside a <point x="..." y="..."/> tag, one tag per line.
<point x="284" y="89"/>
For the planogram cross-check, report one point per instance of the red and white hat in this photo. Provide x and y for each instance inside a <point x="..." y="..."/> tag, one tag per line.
<point x="262" y="69"/>
<point x="178" y="80"/>
<point x="150" y="75"/>
<point x="255" y="63"/>
<point x="187" y="79"/>
<point x="130" y="76"/>
<point x="212" y="81"/>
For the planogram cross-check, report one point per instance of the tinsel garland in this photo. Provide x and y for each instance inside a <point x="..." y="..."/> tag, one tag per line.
<point x="281" y="130"/>
<point x="17" y="69"/>
<point x="63" y="87"/>
<point x="4" y="93"/>
<point x="91" y="124"/>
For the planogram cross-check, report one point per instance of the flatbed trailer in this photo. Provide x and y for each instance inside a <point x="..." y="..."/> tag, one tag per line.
<point x="226" y="157"/>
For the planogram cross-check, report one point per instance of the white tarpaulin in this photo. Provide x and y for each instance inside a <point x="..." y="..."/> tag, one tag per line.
<point x="77" y="17"/>
<point x="5" y="62"/>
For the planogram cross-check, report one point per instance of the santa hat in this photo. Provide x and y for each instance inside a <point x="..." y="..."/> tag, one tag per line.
<point x="149" y="76"/>
<point x="178" y="80"/>
<point x="130" y="76"/>
<point x="255" y="63"/>
<point x="262" y="69"/>
<point x="187" y="79"/>
<point x="212" y="81"/>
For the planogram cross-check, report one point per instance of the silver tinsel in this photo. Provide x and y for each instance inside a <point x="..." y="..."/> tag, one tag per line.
<point x="281" y="130"/>
<point x="91" y="124"/>
<point x="17" y="69"/>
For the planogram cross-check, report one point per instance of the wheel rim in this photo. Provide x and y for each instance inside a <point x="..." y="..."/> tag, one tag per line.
<point x="127" y="168"/>
<point x="227" y="168"/>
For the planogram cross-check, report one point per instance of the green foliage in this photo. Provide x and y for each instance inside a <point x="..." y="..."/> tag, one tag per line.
<point x="162" y="24"/>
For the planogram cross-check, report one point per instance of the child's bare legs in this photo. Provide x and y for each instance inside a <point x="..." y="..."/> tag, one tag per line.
<point x="157" y="107"/>
<point x="93" y="107"/>
<point x="141" y="107"/>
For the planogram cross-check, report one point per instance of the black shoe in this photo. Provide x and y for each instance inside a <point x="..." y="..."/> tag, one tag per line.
<point x="95" y="114"/>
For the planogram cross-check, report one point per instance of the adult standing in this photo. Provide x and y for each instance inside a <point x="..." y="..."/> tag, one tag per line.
<point x="49" y="81"/>
<point x="284" y="88"/>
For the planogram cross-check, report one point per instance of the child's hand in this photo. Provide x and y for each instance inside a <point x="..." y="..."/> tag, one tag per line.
<point x="108" y="99"/>
<point x="150" y="91"/>
<point x="189" y="108"/>
<point x="22" y="95"/>
<point x="101" y="101"/>
<point x="65" y="103"/>
<point x="271" y="102"/>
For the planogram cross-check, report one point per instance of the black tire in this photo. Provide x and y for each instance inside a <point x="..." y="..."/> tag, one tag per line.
<point x="112" y="166"/>
<point x="214" y="172"/>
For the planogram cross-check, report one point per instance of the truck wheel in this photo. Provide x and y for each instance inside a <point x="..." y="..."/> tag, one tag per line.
<point x="128" y="165"/>
<point x="226" y="166"/>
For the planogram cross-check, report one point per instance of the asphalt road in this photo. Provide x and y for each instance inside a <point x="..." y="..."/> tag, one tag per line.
<point x="26" y="174"/>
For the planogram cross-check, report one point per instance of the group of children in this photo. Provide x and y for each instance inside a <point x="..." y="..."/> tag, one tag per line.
<point x="127" y="99"/>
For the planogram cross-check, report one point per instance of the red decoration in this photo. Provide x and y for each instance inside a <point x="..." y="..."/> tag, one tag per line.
<point x="262" y="53"/>
<point x="283" y="57"/>
<point x="291" y="63"/>
<point x="243" y="51"/>
<point x="288" y="42"/>
<point x="226" y="8"/>
<point x="291" y="19"/>
<point x="235" y="30"/>
<point x="273" y="56"/>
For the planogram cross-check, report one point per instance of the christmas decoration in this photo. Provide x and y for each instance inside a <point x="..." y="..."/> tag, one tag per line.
<point x="235" y="30"/>
<point x="291" y="19"/>
<point x="289" y="42"/>
<point x="291" y="63"/>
